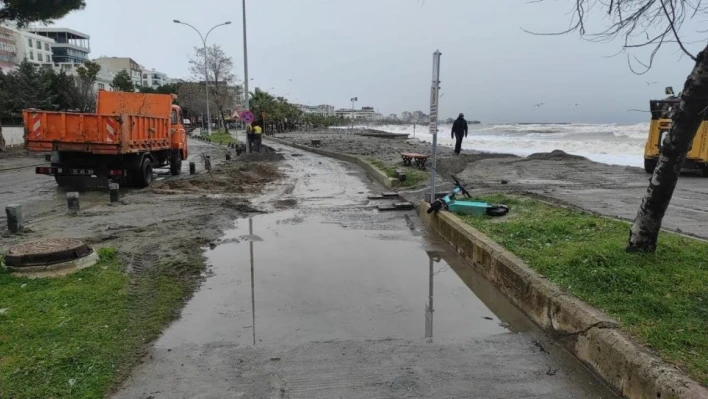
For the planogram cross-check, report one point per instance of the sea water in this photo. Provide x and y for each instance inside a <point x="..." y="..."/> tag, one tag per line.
<point x="613" y="144"/>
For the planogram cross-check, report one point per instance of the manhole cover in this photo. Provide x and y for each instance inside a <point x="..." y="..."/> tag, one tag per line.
<point x="46" y="252"/>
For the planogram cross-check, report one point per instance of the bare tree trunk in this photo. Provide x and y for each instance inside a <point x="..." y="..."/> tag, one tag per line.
<point x="223" y="120"/>
<point x="688" y="117"/>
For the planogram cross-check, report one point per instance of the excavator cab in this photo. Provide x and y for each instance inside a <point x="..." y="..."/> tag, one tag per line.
<point x="661" y="113"/>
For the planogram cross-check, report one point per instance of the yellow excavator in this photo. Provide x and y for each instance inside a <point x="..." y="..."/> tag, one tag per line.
<point x="697" y="157"/>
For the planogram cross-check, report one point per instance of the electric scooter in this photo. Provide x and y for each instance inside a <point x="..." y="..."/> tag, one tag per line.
<point x="449" y="203"/>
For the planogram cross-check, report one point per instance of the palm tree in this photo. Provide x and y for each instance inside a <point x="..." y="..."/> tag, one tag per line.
<point x="262" y="102"/>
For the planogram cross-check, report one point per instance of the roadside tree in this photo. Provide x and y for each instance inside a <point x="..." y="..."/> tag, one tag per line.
<point x="649" y="25"/>
<point x="123" y="82"/>
<point x="25" y="12"/>
<point x="85" y="81"/>
<point x="223" y="92"/>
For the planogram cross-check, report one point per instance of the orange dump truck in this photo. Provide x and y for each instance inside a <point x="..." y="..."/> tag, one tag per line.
<point x="128" y="136"/>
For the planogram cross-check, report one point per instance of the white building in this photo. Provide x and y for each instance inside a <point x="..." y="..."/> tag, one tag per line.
<point x="363" y="114"/>
<point x="322" y="109"/>
<point x="104" y="79"/>
<point x="8" y="49"/>
<point x="18" y="45"/>
<point x="153" y="78"/>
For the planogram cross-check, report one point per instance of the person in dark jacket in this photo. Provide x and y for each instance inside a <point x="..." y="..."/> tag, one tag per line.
<point x="459" y="129"/>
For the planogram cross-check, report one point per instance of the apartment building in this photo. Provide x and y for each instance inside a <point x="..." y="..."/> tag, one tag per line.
<point x="8" y="49"/>
<point x="118" y="64"/>
<point x="153" y="78"/>
<point x="322" y="109"/>
<point x="67" y="45"/>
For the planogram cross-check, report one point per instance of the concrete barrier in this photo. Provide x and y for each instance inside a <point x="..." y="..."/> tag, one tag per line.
<point x="585" y="331"/>
<point x="369" y="168"/>
<point x="14" y="136"/>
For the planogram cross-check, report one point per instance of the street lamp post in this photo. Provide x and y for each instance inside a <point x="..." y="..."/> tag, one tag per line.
<point x="246" y="103"/>
<point x="245" y="57"/>
<point x="206" y="64"/>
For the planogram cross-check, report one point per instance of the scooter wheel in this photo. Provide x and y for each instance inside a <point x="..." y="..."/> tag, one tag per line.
<point x="497" y="210"/>
<point x="434" y="207"/>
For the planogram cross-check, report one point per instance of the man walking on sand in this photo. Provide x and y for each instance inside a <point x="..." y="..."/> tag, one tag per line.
<point x="459" y="128"/>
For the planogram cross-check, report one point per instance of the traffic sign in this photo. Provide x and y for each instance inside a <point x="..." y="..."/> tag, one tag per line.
<point x="247" y="116"/>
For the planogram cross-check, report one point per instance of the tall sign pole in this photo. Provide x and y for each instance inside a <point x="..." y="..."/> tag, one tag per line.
<point x="434" y="97"/>
<point x="353" y="99"/>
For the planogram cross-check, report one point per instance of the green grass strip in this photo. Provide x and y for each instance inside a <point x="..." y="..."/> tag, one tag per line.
<point x="221" y="137"/>
<point x="660" y="299"/>
<point x="77" y="336"/>
<point x="414" y="177"/>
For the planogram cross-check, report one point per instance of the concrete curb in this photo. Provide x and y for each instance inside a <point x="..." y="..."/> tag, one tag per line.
<point x="371" y="170"/>
<point x="586" y="332"/>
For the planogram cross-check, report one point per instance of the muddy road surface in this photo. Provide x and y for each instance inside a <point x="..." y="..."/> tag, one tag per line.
<point x="610" y="190"/>
<point x="40" y="196"/>
<point x="170" y="221"/>
<point x="326" y="297"/>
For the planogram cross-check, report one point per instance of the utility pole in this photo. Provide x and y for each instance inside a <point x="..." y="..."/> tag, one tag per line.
<point x="246" y="103"/>
<point x="206" y="63"/>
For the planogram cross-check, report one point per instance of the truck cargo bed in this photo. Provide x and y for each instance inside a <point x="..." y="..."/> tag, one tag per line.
<point x="98" y="134"/>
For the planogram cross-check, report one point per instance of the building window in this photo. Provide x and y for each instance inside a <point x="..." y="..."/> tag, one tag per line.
<point x="39" y="44"/>
<point x="46" y="46"/>
<point x="101" y="86"/>
<point x="29" y="41"/>
<point x="145" y="76"/>
<point x="39" y="57"/>
<point x="31" y="55"/>
<point x="49" y="58"/>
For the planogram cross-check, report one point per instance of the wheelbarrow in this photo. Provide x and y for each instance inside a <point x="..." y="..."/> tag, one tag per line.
<point x="449" y="203"/>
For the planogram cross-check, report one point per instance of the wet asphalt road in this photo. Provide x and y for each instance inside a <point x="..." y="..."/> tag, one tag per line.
<point x="333" y="299"/>
<point x="41" y="197"/>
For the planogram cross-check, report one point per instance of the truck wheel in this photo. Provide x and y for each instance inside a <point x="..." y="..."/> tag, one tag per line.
<point x="175" y="163"/>
<point x="64" y="181"/>
<point x="649" y="165"/>
<point x="704" y="170"/>
<point x="143" y="177"/>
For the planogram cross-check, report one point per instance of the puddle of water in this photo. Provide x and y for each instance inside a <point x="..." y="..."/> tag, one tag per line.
<point x="318" y="281"/>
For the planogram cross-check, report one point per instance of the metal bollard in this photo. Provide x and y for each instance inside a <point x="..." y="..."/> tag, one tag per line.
<point x="207" y="163"/>
<point x="14" y="218"/>
<point x="192" y="168"/>
<point x="72" y="202"/>
<point x="114" y="190"/>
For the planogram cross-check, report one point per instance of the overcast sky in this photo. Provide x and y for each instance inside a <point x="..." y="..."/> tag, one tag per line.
<point x="327" y="51"/>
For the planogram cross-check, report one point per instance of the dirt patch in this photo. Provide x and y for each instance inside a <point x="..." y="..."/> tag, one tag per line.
<point x="168" y="223"/>
<point x="555" y="154"/>
<point x="267" y="154"/>
<point x="234" y="177"/>
<point x="456" y="164"/>
<point x="285" y="204"/>
<point x="19" y="152"/>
